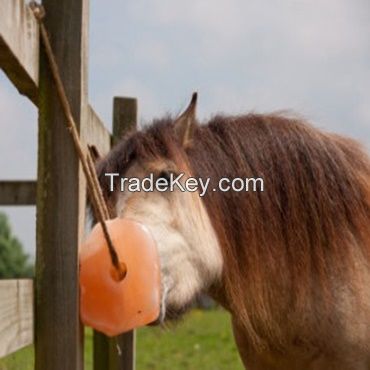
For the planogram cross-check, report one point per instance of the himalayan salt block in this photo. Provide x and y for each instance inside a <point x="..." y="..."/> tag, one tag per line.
<point x="107" y="304"/>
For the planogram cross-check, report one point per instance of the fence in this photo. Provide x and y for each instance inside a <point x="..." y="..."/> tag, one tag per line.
<point x="46" y="311"/>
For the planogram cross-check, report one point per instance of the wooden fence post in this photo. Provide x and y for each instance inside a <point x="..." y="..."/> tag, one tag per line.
<point x="60" y="191"/>
<point x="125" y="115"/>
<point x="106" y="355"/>
<point x="125" y="111"/>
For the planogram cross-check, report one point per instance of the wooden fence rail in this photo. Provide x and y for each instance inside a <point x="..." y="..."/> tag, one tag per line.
<point x="19" y="46"/>
<point x="17" y="193"/>
<point x="16" y="315"/>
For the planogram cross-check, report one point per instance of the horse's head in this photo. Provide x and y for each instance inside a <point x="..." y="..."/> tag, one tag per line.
<point x="189" y="253"/>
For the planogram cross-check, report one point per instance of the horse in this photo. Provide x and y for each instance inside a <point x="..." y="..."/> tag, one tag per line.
<point x="289" y="263"/>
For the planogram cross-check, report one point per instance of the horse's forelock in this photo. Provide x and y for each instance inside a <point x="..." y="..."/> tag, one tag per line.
<point x="155" y="142"/>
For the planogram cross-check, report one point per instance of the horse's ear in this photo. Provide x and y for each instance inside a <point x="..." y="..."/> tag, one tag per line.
<point x="184" y="124"/>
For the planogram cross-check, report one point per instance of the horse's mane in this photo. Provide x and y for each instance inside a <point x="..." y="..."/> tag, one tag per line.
<point x="285" y="248"/>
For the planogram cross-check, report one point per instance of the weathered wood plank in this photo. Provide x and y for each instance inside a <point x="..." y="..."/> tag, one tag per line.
<point x="106" y="356"/>
<point x="19" y="46"/>
<point x="61" y="191"/>
<point x="17" y="193"/>
<point x="16" y="315"/>
<point x="96" y="132"/>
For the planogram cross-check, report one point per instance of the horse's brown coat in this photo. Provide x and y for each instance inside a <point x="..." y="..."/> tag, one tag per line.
<point x="296" y="256"/>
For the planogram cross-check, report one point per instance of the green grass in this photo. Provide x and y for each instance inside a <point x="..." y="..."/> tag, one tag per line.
<point x="203" y="340"/>
<point x="21" y="360"/>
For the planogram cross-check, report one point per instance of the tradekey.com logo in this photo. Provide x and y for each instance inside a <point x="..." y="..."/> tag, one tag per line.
<point x="172" y="182"/>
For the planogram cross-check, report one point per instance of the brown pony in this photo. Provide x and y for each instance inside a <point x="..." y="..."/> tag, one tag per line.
<point x="290" y="263"/>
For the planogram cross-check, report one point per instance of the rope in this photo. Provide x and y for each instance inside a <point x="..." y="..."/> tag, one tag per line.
<point x="94" y="189"/>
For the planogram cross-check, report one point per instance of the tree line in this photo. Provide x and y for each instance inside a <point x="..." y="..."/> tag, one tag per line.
<point x="14" y="262"/>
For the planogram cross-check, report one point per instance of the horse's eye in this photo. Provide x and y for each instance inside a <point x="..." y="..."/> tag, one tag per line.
<point x="166" y="175"/>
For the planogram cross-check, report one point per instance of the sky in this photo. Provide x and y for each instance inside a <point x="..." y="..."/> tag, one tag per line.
<point x="311" y="57"/>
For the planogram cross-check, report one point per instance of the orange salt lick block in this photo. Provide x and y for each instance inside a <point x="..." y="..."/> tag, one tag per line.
<point x="111" y="306"/>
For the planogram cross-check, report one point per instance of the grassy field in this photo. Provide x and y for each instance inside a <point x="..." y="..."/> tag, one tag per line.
<point x="203" y="340"/>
